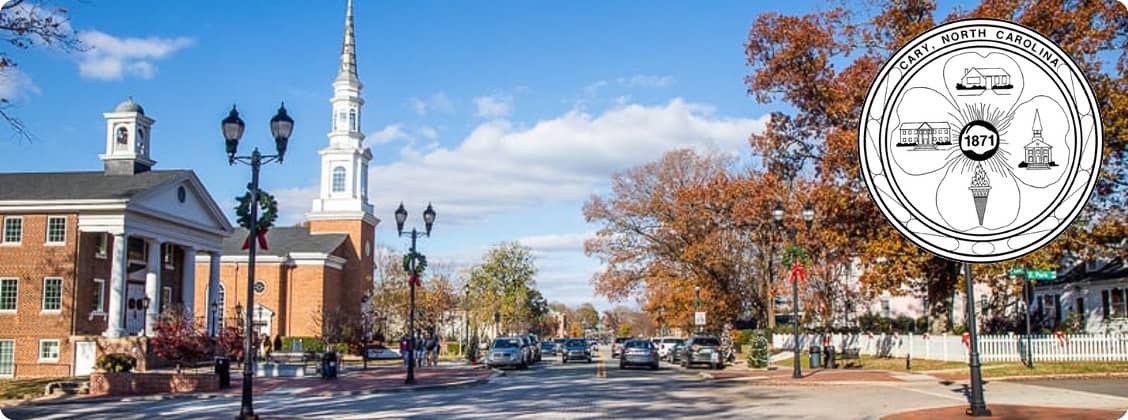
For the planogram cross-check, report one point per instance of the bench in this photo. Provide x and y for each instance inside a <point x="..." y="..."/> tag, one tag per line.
<point x="849" y="354"/>
<point x="289" y="358"/>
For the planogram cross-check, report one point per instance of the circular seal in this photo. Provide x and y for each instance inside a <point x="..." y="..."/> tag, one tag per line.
<point x="980" y="140"/>
<point x="260" y="286"/>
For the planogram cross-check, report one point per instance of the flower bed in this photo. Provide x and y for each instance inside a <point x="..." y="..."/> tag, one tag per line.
<point x="112" y="383"/>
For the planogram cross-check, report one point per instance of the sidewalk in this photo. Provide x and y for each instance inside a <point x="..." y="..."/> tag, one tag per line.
<point x="817" y="376"/>
<point x="1004" y="411"/>
<point x="352" y="381"/>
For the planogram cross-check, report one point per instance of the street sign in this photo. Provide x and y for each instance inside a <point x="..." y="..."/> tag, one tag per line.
<point x="1041" y="274"/>
<point x="976" y="140"/>
<point x="699" y="318"/>
<point x="1017" y="271"/>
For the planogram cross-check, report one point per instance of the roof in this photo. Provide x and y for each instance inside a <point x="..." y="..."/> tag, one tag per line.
<point x="35" y="186"/>
<point x="1037" y="143"/>
<point x="285" y="240"/>
<point x="990" y="71"/>
<point x="1114" y="269"/>
<point x="129" y="106"/>
<point x="920" y="125"/>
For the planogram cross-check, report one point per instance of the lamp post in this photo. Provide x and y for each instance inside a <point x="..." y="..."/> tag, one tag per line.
<point x="696" y="305"/>
<point x="428" y="221"/>
<point x="211" y="327"/>
<point x="466" y="325"/>
<point x="144" y="303"/>
<point x="281" y="126"/>
<point x="1027" y="298"/>
<point x="808" y="215"/>
<point x="978" y="406"/>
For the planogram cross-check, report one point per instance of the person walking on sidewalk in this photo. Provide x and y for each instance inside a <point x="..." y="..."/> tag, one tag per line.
<point x="432" y="350"/>
<point x="417" y="343"/>
<point x="404" y="349"/>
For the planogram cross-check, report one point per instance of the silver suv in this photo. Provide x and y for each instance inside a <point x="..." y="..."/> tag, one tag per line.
<point x="508" y="352"/>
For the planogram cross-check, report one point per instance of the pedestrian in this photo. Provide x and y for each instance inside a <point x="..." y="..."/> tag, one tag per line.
<point x="433" y="350"/>
<point x="417" y="344"/>
<point x="405" y="350"/>
<point x="278" y="343"/>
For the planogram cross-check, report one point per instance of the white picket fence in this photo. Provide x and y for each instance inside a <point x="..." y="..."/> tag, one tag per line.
<point x="992" y="348"/>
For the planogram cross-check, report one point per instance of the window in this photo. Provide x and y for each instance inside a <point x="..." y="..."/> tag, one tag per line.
<point x="7" y="357"/>
<point x="1050" y="308"/>
<point x="352" y="120"/>
<point x="99" y="295"/>
<point x="122" y="138"/>
<point x="339" y="179"/>
<point x="8" y="291"/>
<point x="364" y="180"/>
<point x="1115" y="303"/>
<point x="101" y="245"/>
<point x="48" y="351"/>
<point x="52" y="294"/>
<point x="166" y="297"/>
<point x="13" y="229"/>
<point x="56" y="229"/>
<point x="168" y="256"/>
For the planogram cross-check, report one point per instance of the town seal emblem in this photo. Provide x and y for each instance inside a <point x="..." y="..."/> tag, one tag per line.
<point x="980" y="140"/>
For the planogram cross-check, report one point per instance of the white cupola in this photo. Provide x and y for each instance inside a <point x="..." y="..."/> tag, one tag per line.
<point x="128" y="132"/>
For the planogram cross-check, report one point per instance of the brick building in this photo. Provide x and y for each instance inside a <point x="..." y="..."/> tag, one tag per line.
<point x="89" y="259"/>
<point x="321" y="269"/>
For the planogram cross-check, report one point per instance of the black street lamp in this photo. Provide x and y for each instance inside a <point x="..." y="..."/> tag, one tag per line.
<point x="466" y="326"/>
<point x="281" y="126"/>
<point x="696" y="305"/>
<point x="808" y="215"/>
<point x="428" y="221"/>
<point x="978" y="407"/>
<point x="213" y="324"/>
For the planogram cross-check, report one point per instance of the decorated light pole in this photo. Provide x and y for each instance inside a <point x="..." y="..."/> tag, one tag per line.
<point x="795" y="257"/>
<point x="281" y="126"/>
<point x="413" y="263"/>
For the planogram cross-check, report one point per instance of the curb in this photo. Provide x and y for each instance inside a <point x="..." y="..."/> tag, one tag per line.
<point x="213" y="395"/>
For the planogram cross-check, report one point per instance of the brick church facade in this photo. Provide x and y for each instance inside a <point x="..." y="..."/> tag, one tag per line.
<point x="321" y="269"/>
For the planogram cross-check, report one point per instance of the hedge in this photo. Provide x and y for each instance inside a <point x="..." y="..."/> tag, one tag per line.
<point x="310" y="344"/>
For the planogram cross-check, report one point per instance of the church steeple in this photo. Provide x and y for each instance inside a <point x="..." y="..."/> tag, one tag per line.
<point x="347" y="69"/>
<point x="344" y="162"/>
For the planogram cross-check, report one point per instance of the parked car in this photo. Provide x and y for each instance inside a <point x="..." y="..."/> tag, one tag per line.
<point x="507" y="352"/>
<point x="576" y="349"/>
<point x="594" y="345"/>
<point x="559" y="342"/>
<point x="526" y="349"/>
<point x="547" y="348"/>
<point x="675" y="355"/>
<point x="617" y="346"/>
<point x="534" y="345"/>
<point x="666" y="347"/>
<point x="702" y="350"/>
<point x="639" y="353"/>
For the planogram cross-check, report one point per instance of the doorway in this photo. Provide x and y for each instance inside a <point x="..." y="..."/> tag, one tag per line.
<point x="84" y="354"/>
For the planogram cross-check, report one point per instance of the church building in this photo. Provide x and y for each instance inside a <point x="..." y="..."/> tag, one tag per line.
<point x="321" y="270"/>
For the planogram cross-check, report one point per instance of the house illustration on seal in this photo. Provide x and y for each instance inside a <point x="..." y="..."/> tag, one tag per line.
<point x="924" y="135"/>
<point x="984" y="78"/>
<point x="1038" y="152"/>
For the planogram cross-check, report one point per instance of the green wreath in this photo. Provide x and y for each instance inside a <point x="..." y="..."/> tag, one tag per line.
<point x="266" y="203"/>
<point x="794" y="253"/>
<point x="421" y="263"/>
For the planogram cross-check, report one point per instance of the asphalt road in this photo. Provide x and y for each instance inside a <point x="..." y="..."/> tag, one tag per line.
<point x="582" y="390"/>
<point x="1111" y="386"/>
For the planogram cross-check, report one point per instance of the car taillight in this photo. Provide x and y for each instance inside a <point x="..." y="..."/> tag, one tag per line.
<point x="694" y="347"/>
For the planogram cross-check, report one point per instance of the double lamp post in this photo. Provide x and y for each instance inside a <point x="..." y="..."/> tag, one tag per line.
<point x="281" y="126"/>
<point x="808" y="215"/>
<point x="428" y="221"/>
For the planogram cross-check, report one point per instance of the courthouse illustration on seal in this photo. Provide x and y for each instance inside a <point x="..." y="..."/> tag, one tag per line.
<point x="980" y="140"/>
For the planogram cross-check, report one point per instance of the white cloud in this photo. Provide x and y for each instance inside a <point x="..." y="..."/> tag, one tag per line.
<point x="563" y="242"/>
<point x="15" y="84"/>
<point x="428" y="133"/>
<point x="438" y="102"/>
<point x="294" y="203"/>
<point x="645" y="80"/>
<point x="500" y="167"/>
<point x="389" y="133"/>
<point x="111" y="58"/>
<point x="494" y="106"/>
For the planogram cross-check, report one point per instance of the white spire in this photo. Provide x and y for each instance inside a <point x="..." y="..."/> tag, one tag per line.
<point x="1037" y="122"/>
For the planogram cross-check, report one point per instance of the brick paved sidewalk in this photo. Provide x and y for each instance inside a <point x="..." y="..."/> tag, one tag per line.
<point x="1004" y="411"/>
<point x="810" y="376"/>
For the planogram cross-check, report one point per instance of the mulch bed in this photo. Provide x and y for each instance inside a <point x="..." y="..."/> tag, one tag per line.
<point x="1004" y="411"/>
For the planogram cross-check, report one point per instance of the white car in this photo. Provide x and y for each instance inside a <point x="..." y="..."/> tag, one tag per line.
<point x="667" y="345"/>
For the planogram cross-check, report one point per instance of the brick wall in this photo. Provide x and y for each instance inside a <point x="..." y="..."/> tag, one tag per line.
<point x="357" y="251"/>
<point x="90" y="267"/>
<point x="107" y="383"/>
<point x="30" y="261"/>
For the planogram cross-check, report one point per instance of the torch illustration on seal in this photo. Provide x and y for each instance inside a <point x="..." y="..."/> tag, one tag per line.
<point x="980" y="188"/>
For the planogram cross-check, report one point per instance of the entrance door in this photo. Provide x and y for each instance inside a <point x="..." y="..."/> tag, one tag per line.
<point x="134" y="313"/>
<point x="84" y="357"/>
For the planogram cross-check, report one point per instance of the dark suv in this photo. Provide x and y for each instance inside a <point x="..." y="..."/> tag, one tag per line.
<point x="702" y="350"/>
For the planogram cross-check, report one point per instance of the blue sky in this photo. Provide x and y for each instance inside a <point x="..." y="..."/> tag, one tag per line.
<point x="506" y="115"/>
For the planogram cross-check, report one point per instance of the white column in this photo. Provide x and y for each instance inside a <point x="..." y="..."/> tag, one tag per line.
<point x="116" y="312"/>
<point x="213" y="290"/>
<point x="153" y="285"/>
<point x="188" y="283"/>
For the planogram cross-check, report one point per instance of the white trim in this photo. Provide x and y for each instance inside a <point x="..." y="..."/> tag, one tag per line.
<point x="58" y="205"/>
<point x="43" y="296"/>
<point x="47" y="231"/>
<point x="9" y="375"/>
<point x="100" y="286"/>
<point x="58" y="350"/>
<point x="270" y="259"/>
<point x="317" y="258"/>
<point x="17" y="302"/>
<point x="4" y="231"/>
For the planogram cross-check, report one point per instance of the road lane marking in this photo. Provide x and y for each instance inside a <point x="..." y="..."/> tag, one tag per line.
<point x="600" y="369"/>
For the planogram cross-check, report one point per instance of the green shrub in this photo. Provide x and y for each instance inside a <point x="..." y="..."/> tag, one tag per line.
<point x="310" y="344"/>
<point x="759" y="341"/>
<point x="742" y="336"/>
<point x="117" y="362"/>
<point x="452" y="347"/>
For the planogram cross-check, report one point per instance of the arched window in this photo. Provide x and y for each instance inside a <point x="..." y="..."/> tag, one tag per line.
<point x="339" y="179"/>
<point x="353" y="123"/>
<point x="364" y="180"/>
<point x="122" y="138"/>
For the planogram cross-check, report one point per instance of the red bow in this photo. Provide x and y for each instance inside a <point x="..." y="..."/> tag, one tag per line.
<point x="1061" y="338"/>
<point x="966" y="338"/>
<point x="261" y="240"/>
<point x="414" y="279"/>
<point x="797" y="273"/>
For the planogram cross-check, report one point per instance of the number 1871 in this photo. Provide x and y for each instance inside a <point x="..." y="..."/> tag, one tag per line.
<point x="979" y="140"/>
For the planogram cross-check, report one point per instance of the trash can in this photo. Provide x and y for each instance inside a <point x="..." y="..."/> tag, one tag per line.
<point x="329" y="365"/>
<point x="813" y="361"/>
<point x="829" y="359"/>
<point x="223" y="371"/>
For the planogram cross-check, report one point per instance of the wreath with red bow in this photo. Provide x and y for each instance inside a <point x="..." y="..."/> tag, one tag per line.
<point x="269" y="213"/>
